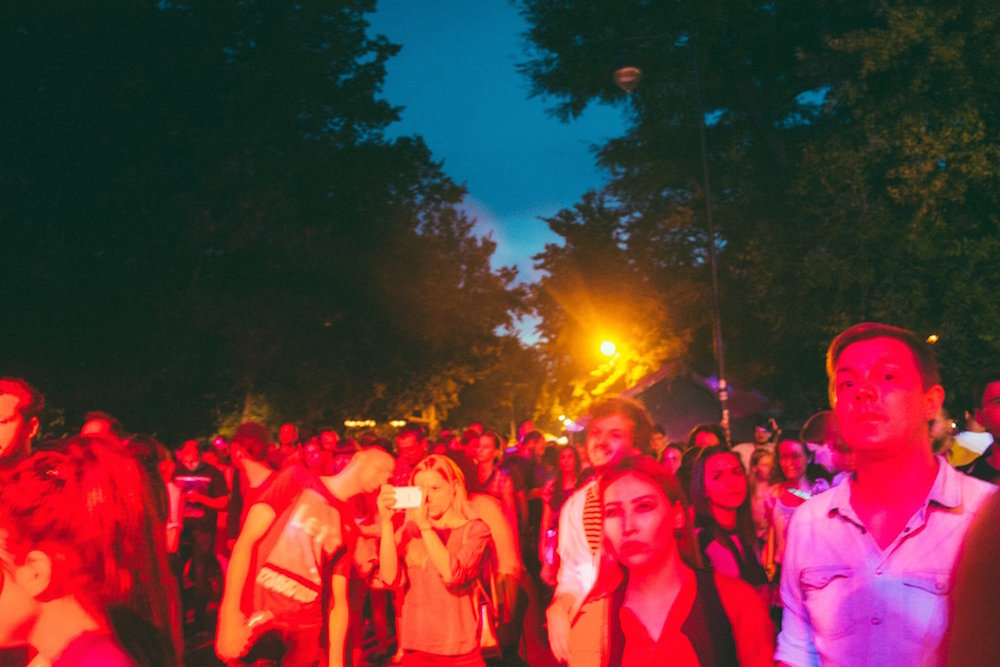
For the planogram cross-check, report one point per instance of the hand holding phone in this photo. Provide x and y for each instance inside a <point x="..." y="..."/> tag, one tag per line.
<point x="407" y="497"/>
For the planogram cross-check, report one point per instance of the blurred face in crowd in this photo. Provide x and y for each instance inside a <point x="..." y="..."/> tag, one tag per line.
<point x="329" y="439"/>
<point x="487" y="450"/>
<point x="881" y="404"/>
<point x="288" y="434"/>
<point x="658" y="442"/>
<point x="792" y="459"/>
<point x="762" y="469"/>
<point x="410" y="448"/>
<point x="672" y="459"/>
<point x="188" y="454"/>
<point x="761" y="434"/>
<point x="609" y="440"/>
<point x="725" y="481"/>
<point x="438" y="492"/>
<point x="15" y="432"/>
<point x="567" y="461"/>
<point x="639" y="521"/>
<point x="988" y="414"/>
<point x="311" y="454"/>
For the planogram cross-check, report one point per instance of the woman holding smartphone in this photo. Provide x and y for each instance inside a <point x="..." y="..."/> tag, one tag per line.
<point x="435" y="559"/>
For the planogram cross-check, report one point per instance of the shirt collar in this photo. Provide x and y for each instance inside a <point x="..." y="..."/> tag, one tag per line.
<point x="947" y="488"/>
<point x="946" y="491"/>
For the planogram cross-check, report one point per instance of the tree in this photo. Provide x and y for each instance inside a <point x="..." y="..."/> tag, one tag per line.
<point x="594" y="289"/>
<point x="203" y="206"/>
<point x="853" y="161"/>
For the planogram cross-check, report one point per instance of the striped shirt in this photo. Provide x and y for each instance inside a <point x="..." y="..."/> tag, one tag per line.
<point x="592" y="520"/>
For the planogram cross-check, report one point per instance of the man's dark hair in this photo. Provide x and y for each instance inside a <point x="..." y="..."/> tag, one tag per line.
<point x="116" y="427"/>
<point x="714" y="429"/>
<point x="30" y="401"/>
<point x="411" y="429"/>
<point x="532" y="437"/>
<point x="635" y="412"/>
<point x="927" y="363"/>
<point x="254" y="439"/>
<point x="984" y="380"/>
<point x="468" y="436"/>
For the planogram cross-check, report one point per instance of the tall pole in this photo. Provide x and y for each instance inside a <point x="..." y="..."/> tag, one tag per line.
<point x="723" y="387"/>
<point x="627" y="78"/>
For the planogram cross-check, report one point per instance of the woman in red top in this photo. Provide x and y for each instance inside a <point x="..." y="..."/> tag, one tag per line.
<point x="668" y="610"/>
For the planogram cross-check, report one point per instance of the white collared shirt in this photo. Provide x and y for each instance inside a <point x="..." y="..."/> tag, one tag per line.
<point x="848" y="602"/>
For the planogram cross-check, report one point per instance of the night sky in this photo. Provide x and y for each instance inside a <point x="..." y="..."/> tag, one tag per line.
<point x="456" y="77"/>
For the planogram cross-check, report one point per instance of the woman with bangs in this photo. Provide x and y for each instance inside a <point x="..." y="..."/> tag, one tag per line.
<point x="435" y="557"/>
<point x="668" y="609"/>
<point x="83" y="576"/>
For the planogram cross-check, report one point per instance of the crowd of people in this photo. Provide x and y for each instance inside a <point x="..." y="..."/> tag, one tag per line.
<point x="843" y="543"/>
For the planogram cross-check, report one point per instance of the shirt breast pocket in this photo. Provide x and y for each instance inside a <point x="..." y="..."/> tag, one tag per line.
<point x="827" y="593"/>
<point x="926" y="599"/>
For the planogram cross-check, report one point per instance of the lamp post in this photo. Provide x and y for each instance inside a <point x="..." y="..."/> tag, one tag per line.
<point x="628" y="78"/>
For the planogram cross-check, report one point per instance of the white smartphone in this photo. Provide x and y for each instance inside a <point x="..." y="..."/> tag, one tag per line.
<point x="407" y="497"/>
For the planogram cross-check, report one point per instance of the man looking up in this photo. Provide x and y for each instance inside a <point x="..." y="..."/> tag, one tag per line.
<point x="576" y="617"/>
<point x="20" y="408"/>
<point x="867" y="567"/>
<point x="987" y="394"/>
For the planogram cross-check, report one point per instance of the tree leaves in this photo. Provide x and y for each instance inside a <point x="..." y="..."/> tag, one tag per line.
<point x="852" y="149"/>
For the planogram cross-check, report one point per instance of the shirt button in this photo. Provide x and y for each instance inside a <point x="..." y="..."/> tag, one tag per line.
<point x="878" y="570"/>
<point x="876" y="621"/>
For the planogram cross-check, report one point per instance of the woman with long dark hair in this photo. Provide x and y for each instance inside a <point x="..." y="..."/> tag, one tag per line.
<point x="554" y="494"/>
<point x="84" y="575"/>
<point x="726" y="534"/>
<point x="668" y="609"/>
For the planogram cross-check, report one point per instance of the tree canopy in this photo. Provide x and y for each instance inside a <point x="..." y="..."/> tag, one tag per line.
<point x="202" y="207"/>
<point x="853" y="158"/>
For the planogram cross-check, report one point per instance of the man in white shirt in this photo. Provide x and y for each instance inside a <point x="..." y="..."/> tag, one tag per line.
<point x="868" y="565"/>
<point x="577" y="617"/>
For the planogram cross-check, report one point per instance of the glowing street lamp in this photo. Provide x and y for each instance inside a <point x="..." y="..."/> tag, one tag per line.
<point x="608" y="348"/>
